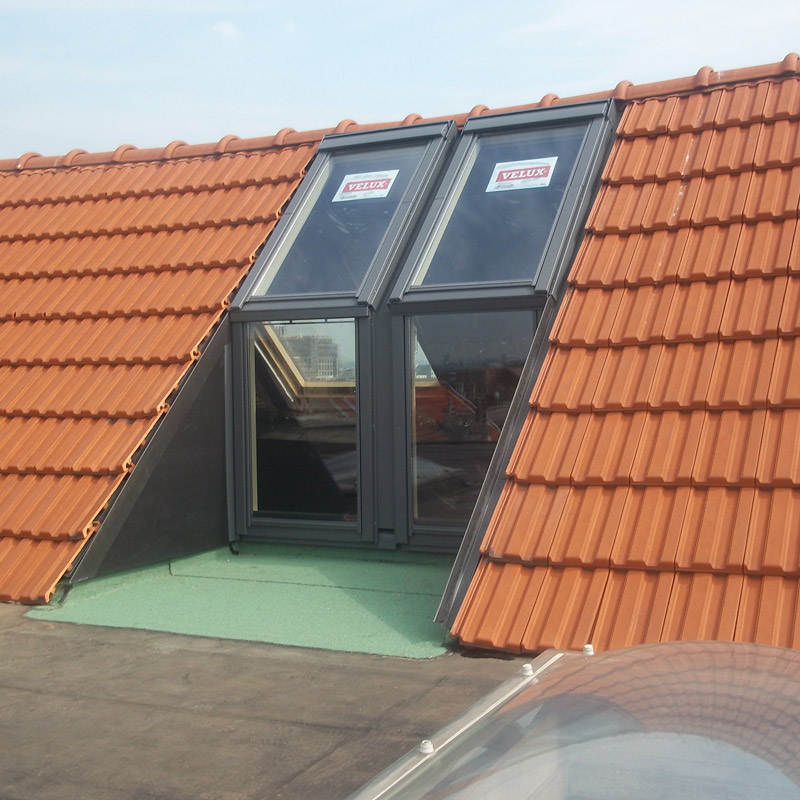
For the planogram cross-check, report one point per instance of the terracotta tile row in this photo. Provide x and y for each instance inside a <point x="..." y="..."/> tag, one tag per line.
<point x="743" y="104"/>
<point x="201" y="209"/>
<point x="712" y="529"/>
<point x="117" y="340"/>
<point x="133" y="252"/>
<point x="144" y="293"/>
<point x="30" y="569"/>
<point x="740" y="250"/>
<point x="752" y="308"/>
<point x="88" y="391"/>
<point x="53" y="506"/>
<point x="732" y="447"/>
<point x="772" y="194"/>
<point x="707" y="153"/>
<point x="46" y="445"/>
<point x="156" y="177"/>
<point x="530" y="609"/>
<point x="739" y="374"/>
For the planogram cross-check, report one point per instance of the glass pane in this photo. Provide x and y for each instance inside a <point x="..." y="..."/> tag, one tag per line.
<point x="704" y="720"/>
<point x="497" y="225"/>
<point x="343" y="227"/>
<point x="304" y="412"/>
<point x="466" y="370"/>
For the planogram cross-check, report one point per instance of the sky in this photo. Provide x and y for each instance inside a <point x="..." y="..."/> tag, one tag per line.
<point x="95" y="74"/>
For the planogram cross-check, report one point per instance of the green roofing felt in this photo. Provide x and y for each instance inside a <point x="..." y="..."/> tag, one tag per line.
<point x="366" y="601"/>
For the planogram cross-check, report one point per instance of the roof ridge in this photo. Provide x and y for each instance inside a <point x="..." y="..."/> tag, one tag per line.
<point x="705" y="78"/>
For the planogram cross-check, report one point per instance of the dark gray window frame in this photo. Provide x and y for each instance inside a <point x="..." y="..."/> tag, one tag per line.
<point x="371" y="335"/>
<point x="517" y="294"/>
<point x="438" y="136"/>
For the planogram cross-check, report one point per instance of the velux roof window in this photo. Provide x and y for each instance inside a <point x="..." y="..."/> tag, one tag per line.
<point x="384" y="330"/>
<point x="508" y="198"/>
<point x="350" y="216"/>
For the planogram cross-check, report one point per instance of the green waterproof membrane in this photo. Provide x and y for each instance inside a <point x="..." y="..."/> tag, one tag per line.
<point x="363" y="601"/>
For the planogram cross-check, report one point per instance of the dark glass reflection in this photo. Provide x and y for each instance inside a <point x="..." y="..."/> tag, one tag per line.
<point x="502" y="218"/>
<point x="305" y="419"/>
<point x="466" y="370"/>
<point x="344" y="227"/>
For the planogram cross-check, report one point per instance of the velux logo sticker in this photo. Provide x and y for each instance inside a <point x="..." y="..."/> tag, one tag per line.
<point x="531" y="174"/>
<point x="365" y="185"/>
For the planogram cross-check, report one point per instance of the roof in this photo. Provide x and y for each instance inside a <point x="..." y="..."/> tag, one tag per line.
<point x="114" y="269"/>
<point x="654" y="493"/>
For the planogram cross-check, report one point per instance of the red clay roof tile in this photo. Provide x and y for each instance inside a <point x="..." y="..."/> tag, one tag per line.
<point x="742" y="104"/>
<point x="588" y="508"/>
<point x="28" y="566"/>
<point x="729" y="446"/>
<point x="608" y="448"/>
<point x="657" y="256"/>
<point x="498" y="605"/>
<point x="46" y="445"/>
<point x="763" y="249"/>
<point x="709" y="253"/>
<point x="672" y="204"/>
<point x="573" y="374"/>
<point x="603" y="261"/>
<point x="769" y="611"/>
<point x="696" y="311"/>
<point x="633" y="609"/>
<point x="683" y="376"/>
<point x="753" y="307"/>
<point x="112" y="275"/>
<point x="773" y="194"/>
<point x="784" y="386"/>
<point x="648" y="117"/>
<point x="721" y="199"/>
<point x="546" y="452"/>
<point x="586" y="316"/>
<point x="789" y="324"/>
<point x="567" y="606"/>
<point x="642" y="314"/>
<point x="53" y="506"/>
<point x="783" y="100"/>
<point x="714" y="532"/>
<point x="625" y="379"/>
<point x="773" y="546"/>
<point x="122" y="392"/>
<point x="650" y="527"/>
<point x="731" y="149"/>
<point x="528" y="524"/>
<point x="702" y="607"/>
<point x="667" y="449"/>
<point x="742" y="373"/>
<point x="779" y="459"/>
<point x="685" y="471"/>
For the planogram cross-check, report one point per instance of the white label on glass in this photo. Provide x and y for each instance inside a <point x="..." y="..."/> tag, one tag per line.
<point x="365" y="185"/>
<point x="530" y="174"/>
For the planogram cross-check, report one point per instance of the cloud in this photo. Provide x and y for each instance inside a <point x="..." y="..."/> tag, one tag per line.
<point x="225" y="28"/>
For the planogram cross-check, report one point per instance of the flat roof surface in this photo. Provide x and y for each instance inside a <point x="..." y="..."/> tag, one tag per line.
<point x="118" y="714"/>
